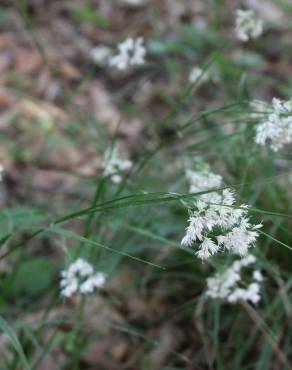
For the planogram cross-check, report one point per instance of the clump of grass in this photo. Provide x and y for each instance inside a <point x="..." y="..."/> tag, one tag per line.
<point x="131" y="215"/>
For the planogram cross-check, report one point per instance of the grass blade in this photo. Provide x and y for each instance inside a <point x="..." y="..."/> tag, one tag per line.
<point x="15" y="342"/>
<point x="72" y="235"/>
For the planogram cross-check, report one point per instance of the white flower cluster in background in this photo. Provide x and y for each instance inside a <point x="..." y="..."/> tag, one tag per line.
<point x="80" y="277"/>
<point x="100" y="55"/>
<point x="248" y="25"/>
<point x="133" y="2"/>
<point x="230" y="286"/>
<point x="215" y="211"/>
<point x="113" y="164"/>
<point x="131" y="53"/>
<point x="198" y="74"/>
<point x="276" y="123"/>
<point x="1" y="172"/>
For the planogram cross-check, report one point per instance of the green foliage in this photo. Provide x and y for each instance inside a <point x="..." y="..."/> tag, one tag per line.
<point x="6" y="329"/>
<point x="89" y="14"/>
<point x="132" y="230"/>
<point x="33" y="277"/>
<point x="4" y="15"/>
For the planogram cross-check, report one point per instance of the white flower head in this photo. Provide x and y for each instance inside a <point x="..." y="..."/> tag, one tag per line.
<point x="80" y="278"/>
<point x="215" y="223"/>
<point x="248" y="25"/>
<point x="231" y="286"/>
<point x="276" y="126"/>
<point x="113" y="164"/>
<point x="131" y="53"/>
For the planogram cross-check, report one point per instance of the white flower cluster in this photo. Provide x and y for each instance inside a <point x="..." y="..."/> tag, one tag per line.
<point x="113" y="164"/>
<point x="133" y="2"/>
<point x="1" y="172"/>
<point x="230" y="286"/>
<point x="215" y="211"/>
<point x="100" y="55"/>
<point x="248" y="25"/>
<point x="198" y="74"/>
<point x="276" y="123"/>
<point x="80" y="278"/>
<point x="131" y="53"/>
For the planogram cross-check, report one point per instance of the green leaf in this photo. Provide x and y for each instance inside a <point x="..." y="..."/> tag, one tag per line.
<point x="33" y="276"/>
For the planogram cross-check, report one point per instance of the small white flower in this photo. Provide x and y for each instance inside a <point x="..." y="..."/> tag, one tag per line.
<point x="248" y="25"/>
<point x="276" y="126"/>
<point x="95" y="281"/>
<point x="1" y="171"/>
<point x="257" y="275"/>
<point x="239" y="239"/>
<point x="207" y="248"/>
<point x="100" y="55"/>
<point x="248" y="260"/>
<point x="198" y="75"/>
<point x="251" y="293"/>
<point x="80" y="278"/>
<point x="134" y="2"/>
<point x="203" y="180"/>
<point x="113" y="165"/>
<point x="69" y="286"/>
<point x="131" y="53"/>
<point x="227" y="285"/>
<point x="221" y="284"/>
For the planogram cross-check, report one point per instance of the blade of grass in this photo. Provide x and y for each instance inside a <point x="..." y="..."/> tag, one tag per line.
<point x="72" y="235"/>
<point x="4" y="326"/>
